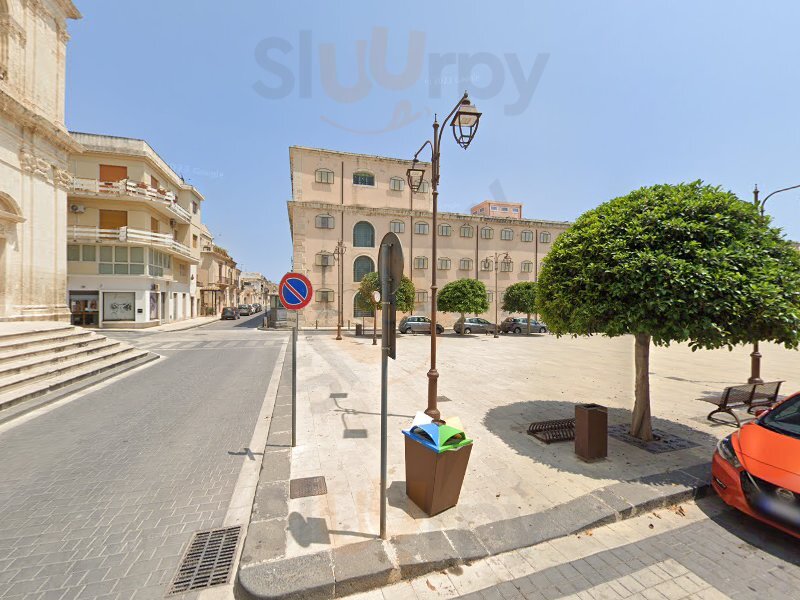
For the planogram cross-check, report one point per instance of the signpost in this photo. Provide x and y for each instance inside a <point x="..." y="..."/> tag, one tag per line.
<point x="295" y="292"/>
<point x="390" y="269"/>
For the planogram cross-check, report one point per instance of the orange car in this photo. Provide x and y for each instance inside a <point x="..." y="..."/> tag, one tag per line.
<point x="757" y="469"/>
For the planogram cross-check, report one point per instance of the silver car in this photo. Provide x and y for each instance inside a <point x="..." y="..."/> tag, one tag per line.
<point x="473" y="325"/>
<point x="417" y="324"/>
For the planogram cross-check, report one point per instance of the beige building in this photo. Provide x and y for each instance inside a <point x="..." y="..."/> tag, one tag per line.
<point x="490" y="208"/>
<point x="133" y="232"/>
<point x="255" y="289"/>
<point x="219" y="277"/>
<point x="355" y="199"/>
<point x="34" y="148"/>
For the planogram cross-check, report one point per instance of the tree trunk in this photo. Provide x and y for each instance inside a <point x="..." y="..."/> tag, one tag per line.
<point x="641" y="427"/>
<point x="529" y="324"/>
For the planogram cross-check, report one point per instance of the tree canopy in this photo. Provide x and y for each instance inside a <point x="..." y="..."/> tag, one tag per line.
<point x="673" y="263"/>
<point x="372" y="283"/>
<point x="463" y="296"/>
<point x="520" y="297"/>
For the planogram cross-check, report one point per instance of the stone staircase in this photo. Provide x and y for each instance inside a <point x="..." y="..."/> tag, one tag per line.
<point x="38" y="358"/>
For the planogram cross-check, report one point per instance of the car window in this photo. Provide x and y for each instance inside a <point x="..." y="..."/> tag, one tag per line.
<point x="785" y="418"/>
<point x="425" y="319"/>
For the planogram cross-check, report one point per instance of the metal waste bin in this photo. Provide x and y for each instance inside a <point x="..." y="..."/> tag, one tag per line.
<point x="591" y="431"/>
<point x="359" y="329"/>
<point x="435" y="468"/>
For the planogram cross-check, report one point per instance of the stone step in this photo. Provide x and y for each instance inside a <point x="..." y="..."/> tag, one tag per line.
<point x="57" y="345"/>
<point x="129" y="358"/>
<point x="10" y="341"/>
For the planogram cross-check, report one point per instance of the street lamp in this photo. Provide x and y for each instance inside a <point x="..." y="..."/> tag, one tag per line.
<point x="755" y="355"/>
<point x="496" y="297"/>
<point x="464" y="120"/>
<point x="338" y="256"/>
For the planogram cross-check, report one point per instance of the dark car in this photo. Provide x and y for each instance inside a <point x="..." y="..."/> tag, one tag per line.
<point x="245" y="310"/>
<point x="520" y="325"/>
<point x="415" y="324"/>
<point x="229" y="313"/>
<point x="473" y="325"/>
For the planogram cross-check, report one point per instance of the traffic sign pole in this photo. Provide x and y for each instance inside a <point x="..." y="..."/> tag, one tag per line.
<point x="294" y="380"/>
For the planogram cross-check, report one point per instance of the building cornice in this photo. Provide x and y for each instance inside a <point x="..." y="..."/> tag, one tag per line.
<point x="338" y="153"/>
<point x="29" y="118"/>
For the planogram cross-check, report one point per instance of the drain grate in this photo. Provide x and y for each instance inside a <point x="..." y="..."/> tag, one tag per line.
<point x="307" y="486"/>
<point x="208" y="560"/>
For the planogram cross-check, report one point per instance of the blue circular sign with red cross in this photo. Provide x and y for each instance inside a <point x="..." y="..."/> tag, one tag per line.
<point x="295" y="291"/>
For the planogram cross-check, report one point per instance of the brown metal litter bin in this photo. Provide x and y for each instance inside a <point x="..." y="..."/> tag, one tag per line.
<point x="591" y="431"/>
<point x="433" y="480"/>
<point x="359" y="329"/>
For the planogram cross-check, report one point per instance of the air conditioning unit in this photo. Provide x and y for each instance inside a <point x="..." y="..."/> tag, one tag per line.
<point x="77" y="208"/>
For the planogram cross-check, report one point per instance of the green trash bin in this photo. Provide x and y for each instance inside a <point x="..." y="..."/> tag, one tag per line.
<point x="436" y="463"/>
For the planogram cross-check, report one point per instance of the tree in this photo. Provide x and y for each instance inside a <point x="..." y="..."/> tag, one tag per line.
<point x="404" y="297"/>
<point x="463" y="296"/>
<point x="672" y="263"/>
<point x="521" y="297"/>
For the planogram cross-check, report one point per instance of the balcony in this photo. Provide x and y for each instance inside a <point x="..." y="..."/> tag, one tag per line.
<point x="129" y="190"/>
<point x="126" y="235"/>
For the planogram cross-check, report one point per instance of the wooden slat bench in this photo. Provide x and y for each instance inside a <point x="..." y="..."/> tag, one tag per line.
<point x="749" y="395"/>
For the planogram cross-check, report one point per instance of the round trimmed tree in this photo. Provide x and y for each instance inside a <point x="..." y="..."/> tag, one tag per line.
<point x="672" y="263"/>
<point x="521" y="298"/>
<point x="371" y="282"/>
<point x="463" y="296"/>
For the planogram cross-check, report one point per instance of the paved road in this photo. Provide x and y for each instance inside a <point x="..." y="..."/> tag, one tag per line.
<point x="100" y="495"/>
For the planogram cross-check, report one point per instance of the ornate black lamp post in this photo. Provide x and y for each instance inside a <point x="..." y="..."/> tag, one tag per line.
<point x="464" y="120"/>
<point x="755" y="355"/>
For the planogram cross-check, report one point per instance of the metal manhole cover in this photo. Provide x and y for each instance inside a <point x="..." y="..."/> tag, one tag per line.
<point x="307" y="486"/>
<point x="208" y="560"/>
<point x="663" y="442"/>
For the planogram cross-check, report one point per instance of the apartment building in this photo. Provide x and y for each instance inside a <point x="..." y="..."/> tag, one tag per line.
<point x="491" y="208"/>
<point x="219" y="277"/>
<point x="255" y="288"/>
<point x="343" y="204"/>
<point x="133" y="232"/>
<point x="34" y="150"/>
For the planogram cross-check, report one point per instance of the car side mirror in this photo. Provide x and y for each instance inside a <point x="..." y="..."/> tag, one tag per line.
<point x="760" y="412"/>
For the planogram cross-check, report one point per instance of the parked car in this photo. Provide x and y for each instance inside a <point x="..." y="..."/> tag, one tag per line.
<point x="473" y="325"/>
<point x="245" y="310"/>
<point x="415" y="324"/>
<point x="229" y="313"/>
<point x="256" y="308"/>
<point x="757" y="468"/>
<point x="520" y="325"/>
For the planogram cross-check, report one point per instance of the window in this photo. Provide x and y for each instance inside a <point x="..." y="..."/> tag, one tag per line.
<point x="494" y="208"/>
<point x="526" y="236"/>
<point x="194" y="241"/>
<point x="424" y="187"/>
<point x="358" y="309"/>
<point x="363" y="235"/>
<point x="113" y="219"/>
<point x="397" y="226"/>
<point x="507" y="266"/>
<point x="465" y="264"/>
<point x="421" y="262"/>
<point x="444" y="264"/>
<point x="324" y="295"/>
<point x="420" y="296"/>
<point x="120" y="260"/>
<point x="396" y="184"/>
<point x="88" y="253"/>
<point x="466" y="231"/>
<point x="445" y="229"/>
<point x="504" y="209"/>
<point x="73" y="252"/>
<point x="113" y="173"/>
<point x="490" y="297"/>
<point x="527" y="266"/>
<point x="421" y="228"/>
<point x="364" y="178"/>
<point x="323" y="176"/>
<point x="194" y="207"/>
<point x="361" y="266"/>
<point x="515" y="210"/>
<point x="544" y="237"/>
<point x="507" y="234"/>
<point x="325" y="259"/>
<point x="158" y="262"/>
<point x="486" y="264"/>
<point x="324" y="222"/>
<point x="487" y="233"/>
<point x="154" y="183"/>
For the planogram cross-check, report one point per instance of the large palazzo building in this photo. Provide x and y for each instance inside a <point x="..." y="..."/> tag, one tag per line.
<point x="34" y="149"/>
<point x="351" y="201"/>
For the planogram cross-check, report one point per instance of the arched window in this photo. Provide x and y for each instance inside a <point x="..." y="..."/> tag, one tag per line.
<point x="466" y="231"/>
<point x="363" y="178"/>
<point x="324" y="222"/>
<point x="507" y="265"/>
<point x="363" y="235"/>
<point x="359" y="310"/>
<point x="507" y="234"/>
<point x="421" y="227"/>
<point x="421" y="262"/>
<point x="487" y="233"/>
<point x="323" y="176"/>
<point x="444" y="264"/>
<point x="486" y="264"/>
<point x="465" y="264"/>
<point x="424" y="187"/>
<point x="527" y="266"/>
<point x="420" y="296"/>
<point x="445" y="229"/>
<point x="397" y="226"/>
<point x="361" y="266"/>
<point x="526" y="236"/>
<point x="396" y="184"/>
<point x="544" y="237"/>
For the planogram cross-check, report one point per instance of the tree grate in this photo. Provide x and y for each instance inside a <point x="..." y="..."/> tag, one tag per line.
<point x="208" y="560"/>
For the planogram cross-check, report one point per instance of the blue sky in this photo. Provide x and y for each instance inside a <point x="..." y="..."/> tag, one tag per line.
<point x="629" y="93"/>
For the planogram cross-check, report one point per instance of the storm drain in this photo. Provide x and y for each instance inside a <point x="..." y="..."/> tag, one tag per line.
<point x="208" y="560"/>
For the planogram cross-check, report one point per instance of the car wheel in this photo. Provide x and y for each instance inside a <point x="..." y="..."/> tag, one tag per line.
<point x="517" y="330"/>
<point x="542" y="330"/>
<point x="407" y="330"/>
<point x="467" y="331"/>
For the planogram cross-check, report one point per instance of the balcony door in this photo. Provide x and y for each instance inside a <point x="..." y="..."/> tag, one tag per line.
<point x="113" y="219"/>
<point x="113" y="173"/>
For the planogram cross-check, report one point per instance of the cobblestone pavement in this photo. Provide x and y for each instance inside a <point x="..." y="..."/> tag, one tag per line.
<point x="100" y="495"/>
<point x="703" y="551"/>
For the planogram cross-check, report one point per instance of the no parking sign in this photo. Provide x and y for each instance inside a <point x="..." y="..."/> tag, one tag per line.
<point x="295" y="291"/>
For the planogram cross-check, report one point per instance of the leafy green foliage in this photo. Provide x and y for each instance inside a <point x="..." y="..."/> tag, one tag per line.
<point x="372" y="283"/>
<point x="463" y="296"/>
<point x="681" y="263"/>
<point x="520" y="298"/>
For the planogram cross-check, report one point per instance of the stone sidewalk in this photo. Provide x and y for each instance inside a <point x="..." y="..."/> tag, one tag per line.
<point x="518" y="492"/>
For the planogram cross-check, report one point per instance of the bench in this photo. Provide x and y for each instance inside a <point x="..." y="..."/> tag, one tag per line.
<point x="749" y="395"/>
